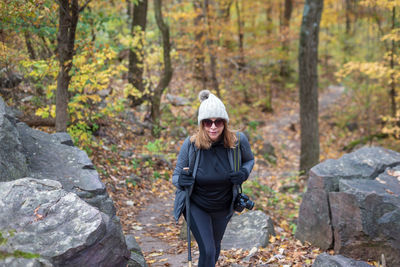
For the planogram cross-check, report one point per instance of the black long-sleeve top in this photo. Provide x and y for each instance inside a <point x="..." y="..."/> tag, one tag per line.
<point x="213" y="190"/>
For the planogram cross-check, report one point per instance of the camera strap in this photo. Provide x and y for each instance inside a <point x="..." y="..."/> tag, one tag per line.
<point x="236" y="159"/>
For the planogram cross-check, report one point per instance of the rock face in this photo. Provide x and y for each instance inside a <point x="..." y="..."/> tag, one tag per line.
<point x="248" y="230"/>
<point x="352" y="205"/>
<point x="13" y="164"/>
<point x="47" y="220"/>
<point x="137" y="258"/>
<point x="326" y="260"/>
<point x="50" y="156"/>
<point x="25" y="152"/>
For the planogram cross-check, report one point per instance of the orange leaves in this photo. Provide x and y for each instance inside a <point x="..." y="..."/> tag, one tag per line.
<point x="38" y="216"/>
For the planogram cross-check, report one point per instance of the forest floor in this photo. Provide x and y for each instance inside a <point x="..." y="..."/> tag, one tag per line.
<point x="145" y="205"/>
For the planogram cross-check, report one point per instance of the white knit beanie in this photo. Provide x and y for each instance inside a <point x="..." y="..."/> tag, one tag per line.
<point x="211" y="107"/>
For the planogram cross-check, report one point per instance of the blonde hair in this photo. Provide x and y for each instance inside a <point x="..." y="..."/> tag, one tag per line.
<point x="202" y="141"/>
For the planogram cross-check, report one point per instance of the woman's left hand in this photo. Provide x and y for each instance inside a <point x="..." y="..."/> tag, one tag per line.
<point x="238" y="177"/>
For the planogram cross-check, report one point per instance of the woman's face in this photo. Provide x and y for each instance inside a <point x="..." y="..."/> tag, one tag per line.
<point x="214" y="128"/>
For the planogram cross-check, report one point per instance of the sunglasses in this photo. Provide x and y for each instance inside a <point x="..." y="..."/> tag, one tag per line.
<point x="208" y="123"/>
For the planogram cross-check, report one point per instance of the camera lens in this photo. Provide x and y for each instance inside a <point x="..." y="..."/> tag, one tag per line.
<point x="249" y="204"/>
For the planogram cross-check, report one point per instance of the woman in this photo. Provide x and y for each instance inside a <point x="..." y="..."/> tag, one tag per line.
<point x="212" y="182"/>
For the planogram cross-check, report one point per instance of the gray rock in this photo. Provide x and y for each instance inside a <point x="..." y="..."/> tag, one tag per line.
<point x="179" y="131"/>
<point x="352" y="204"/>
<point x="9" y="78"/>
<point x="13" y="163"/>
<point x="268" y="152"/>
<point x="25" y="152"/>
<point x="49" y="159"/>
<point x="19" y="262"/>
<point x="365" y="163"/>
<point x="326" y="260"/>
<point x="268" y="149"/>
<point x="314" y="224"/>
<point x="45" y="219"/>
<point x="177" y="100"/>
<point x="62" y="138"/>
<point x="132" y="244"/>
<point x="248" y="230"/>
<point x="136" y="260"/>
<point x="126" y="154"/>
<point x="367" y="214"/>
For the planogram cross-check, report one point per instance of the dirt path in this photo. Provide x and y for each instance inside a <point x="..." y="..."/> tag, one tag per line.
<point x="155" y="221"/>
<point x="284" y="131"/>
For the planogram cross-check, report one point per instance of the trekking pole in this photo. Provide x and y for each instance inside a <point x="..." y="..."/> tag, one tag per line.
<point x="188" y="222"/>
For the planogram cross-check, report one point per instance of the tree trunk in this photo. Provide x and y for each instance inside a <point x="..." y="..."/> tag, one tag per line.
<point x="136" y="54"/>
<point x="308" y="77"/>
<point x="167" y="73"/>
<point x="392" y="75"/>
<point x="199" y="68"/>
<point x="129" y="11"/>
<point x="33" y="120"/>
<point x="213" y="59"/>
<point x="287" y="14"/>
<point x="68" y="20"/>
<point x="268" y="13"/>
<point x="225" y="15"/>
<point x="31" y="51"/>
<point x="347" y="16"/>
<point x="241" y="62"/>
<point x="46" y="52"/>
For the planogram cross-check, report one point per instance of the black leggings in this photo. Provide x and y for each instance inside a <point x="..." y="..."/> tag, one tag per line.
<point x="208" y="228"/>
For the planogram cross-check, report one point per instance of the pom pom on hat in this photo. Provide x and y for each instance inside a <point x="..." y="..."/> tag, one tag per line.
<point x="211" y="107"/>
<point x="203" y="95"/>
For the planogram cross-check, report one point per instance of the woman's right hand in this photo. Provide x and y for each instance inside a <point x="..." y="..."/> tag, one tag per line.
<point x="185" y="179"/>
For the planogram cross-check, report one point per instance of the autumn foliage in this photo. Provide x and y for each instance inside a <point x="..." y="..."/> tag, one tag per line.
<point x="244" y="51"/>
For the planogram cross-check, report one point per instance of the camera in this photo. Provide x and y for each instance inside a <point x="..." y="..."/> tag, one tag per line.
<point x="242" y="201"/>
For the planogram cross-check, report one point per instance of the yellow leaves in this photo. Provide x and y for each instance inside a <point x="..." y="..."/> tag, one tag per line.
<point x="47" y="111"/>
<point x="284" y="225"/>
<point x="371" y="70"/>
<point x="85" y="98"/>
<point x="394" y="35"/>
<point x="183" y="16"/>
<point x="392" y="125"/>
<point x="387" y="4"/>
<point x="53" y="111"/>
<point x="330" y="15"/>
<point x="155" y="254"/>
<point x="42" y="112"/>
<point x="39" y="69"/>
<point x="135" y="41"/>
<point x="129" y="89"/>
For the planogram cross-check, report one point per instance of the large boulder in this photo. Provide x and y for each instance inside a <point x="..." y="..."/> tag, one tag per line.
<point x="13" y="164"/>
<point x="42" y="218"/>
<point x="25" y="152"/>
<point x="248" y="230"/>
<point x="326" y="260"/>
<point x="352" y="205"/>
<point x="25" y="262"/>
<point x="50" y="156"/>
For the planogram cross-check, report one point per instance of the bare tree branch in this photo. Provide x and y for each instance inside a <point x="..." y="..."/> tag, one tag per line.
<point x="84" y="5"/>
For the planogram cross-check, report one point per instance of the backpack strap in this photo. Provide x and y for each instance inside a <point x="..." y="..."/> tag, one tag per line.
<point x="237" y="159"/>
<point x="236" y="154"/>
